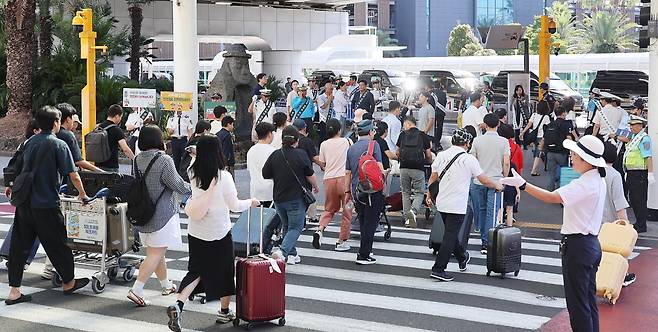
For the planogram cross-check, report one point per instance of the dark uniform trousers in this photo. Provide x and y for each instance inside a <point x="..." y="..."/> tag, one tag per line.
<point x="48" y="225"/>
<point x="580" y="261"/>
<point x="450" y="244"/>
<point x="178" y="145"/>
<point x="637" y="184"/>
<point x="369" y="209"/>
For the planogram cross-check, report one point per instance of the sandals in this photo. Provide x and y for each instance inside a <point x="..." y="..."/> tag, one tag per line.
<point x="79" y="283"/>
<point x="20" y="299"/>
<point x="535" y="174"/>
<point x="168" y="291"/>
<point x="139" y="301"/>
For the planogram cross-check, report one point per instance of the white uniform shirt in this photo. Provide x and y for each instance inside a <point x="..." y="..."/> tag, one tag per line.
<point x="473" y="116"/>
<point x="341" y="100"/>
<point x="613" y="115"/>
<point x="583" y="200"/>
<point x="217" y="222"/>
<point x="322" y="99"/>
<point x="181" y="125"/>
<point x="455" y="185"/>
<point x="259" y="107"/>
<point x="394" y="130"/>
<point x="259" y="188"/>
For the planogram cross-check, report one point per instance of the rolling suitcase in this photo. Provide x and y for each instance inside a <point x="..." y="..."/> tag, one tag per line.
<point x="6" y="244"/>
<point x="567" y="174"/>
<point x="271" y="222"/>
<point x="120" y="235"/>
<point x="618" y="237"/>
<point x="504" y="247"/>
<point x="260" y="285"/>
<point x="610" y="276"/>
<point x="438" y="228"/>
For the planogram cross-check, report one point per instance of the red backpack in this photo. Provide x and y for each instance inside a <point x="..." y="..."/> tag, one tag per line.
<point x="371" y="179"/>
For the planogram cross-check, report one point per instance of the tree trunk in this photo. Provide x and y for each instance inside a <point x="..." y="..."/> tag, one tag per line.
<point x="45" y="30"/>
<point x="136" y="18"/>
<point x="20" y="17"/>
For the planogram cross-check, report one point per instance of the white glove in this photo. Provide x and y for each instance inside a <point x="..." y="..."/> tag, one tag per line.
<point x="651" y="178"/>
<point x="515" y="181"/>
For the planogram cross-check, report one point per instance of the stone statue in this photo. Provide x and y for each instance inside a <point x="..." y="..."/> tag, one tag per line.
<point x="235" y="83"/>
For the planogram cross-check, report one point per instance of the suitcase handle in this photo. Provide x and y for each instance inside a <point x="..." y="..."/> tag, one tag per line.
<point x="622" y="222"/>
<point x="249" y="229"/>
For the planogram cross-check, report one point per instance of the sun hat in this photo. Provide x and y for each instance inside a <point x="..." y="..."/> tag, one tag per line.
<point x="589" y="148"/>
<point x="358" y="114"/>
<point x="266" y="92"/>
<point x="636" y="120"/>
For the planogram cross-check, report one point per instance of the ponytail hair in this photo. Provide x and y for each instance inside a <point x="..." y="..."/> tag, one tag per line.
<point x="602" y="172"/>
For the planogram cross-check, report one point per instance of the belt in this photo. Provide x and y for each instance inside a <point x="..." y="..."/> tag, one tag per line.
<point x="576" y="236"/>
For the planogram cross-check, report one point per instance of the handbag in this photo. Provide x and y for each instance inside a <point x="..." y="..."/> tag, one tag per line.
<point x="434" y="186"/>
<point x="22" y="186"/>
<point x="197" y="207"/>
<point x="307" y="195"/>
<point x="531" y="136"/>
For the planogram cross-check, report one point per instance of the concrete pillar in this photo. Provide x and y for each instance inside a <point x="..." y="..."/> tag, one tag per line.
<point x="361" y="14"/>
<point x="186" y="51"/>
<point x="653" y="108"/>
<point x="384" y="14"/>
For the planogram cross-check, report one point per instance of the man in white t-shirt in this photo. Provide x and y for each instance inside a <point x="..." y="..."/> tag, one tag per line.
<point x="260" y="188"/>
<point x="473" y="115"/>
<point x="394" y="125"/>
<point x="452" y="200"/>
<point x="136" y="120"/>
<point x="608" y="119"/>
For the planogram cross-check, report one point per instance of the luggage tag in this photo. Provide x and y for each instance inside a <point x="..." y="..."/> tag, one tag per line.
<point x="563" y="247"/>
<point x="274" y="266"/>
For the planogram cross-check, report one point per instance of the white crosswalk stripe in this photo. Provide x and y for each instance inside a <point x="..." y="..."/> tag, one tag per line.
<point x="328" y="292"/>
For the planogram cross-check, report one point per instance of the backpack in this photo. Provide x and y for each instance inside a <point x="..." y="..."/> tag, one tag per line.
<point x="411" y="148"/>
<point x="97" y="144"/>
<point x="553" y="137"/>
<point x="140" y="206"/>
<point x="371" y="179"/>
<point x="14" y="166"/>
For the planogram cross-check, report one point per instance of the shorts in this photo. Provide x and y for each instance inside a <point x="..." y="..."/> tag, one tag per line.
<point x="509" y="196"/>
<point x="168" y="236"/>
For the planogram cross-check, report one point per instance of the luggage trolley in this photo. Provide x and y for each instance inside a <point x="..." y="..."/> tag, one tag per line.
<point x="99" y="235"/>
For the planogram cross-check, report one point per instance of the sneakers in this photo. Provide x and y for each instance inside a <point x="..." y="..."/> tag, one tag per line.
<point x="462" y="264"/>
<point x="365" y="260"/>
<point x="443" y="276"/>
<point x="170" y="290"/>
<point x="292" y="260"/>
<point x="342" y="246"/>
<point x="411" y="223"/>
<point x="483" y="250"/>
<point x="173" y="312"/>
<point x="223" y="318"/>
<point x="277" y="254"/>
<point x="317" y="239"/>
<point x="629" y="279"/>
<point x="47" y="274"/>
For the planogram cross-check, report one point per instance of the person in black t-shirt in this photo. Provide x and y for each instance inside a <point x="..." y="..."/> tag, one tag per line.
<point x="306" y="144"/>
<point x="226" y="140"/>
<point x="558" y="156"/>
<point x="413" y="153"/>
<point x="115" y="138"/>
<point x="66" y="134"/>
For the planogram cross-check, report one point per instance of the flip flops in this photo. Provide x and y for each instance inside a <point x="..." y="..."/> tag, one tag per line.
<point x="138" y="300"/>
<point x="79" y="283"/>
<point x="20" y="299"/>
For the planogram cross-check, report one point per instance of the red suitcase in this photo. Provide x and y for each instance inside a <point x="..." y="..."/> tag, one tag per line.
<point x="260" y="289"/>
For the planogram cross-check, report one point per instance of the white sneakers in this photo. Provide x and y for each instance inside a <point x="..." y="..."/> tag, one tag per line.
<point x="292" y="260"/>
<point x="342" y="246"/>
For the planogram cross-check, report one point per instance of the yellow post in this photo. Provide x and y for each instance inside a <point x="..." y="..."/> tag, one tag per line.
<point x="544" y="51"/>
<point x="84" y="19"/>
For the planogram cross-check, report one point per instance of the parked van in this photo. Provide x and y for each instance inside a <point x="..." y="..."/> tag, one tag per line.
<point x="627" y="84"/>
<point x="558" y="88"/>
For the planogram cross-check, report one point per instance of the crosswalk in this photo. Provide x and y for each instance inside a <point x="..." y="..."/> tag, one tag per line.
<point x="327" y="292"/>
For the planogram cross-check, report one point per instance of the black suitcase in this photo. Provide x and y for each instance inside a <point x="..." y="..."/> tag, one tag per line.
<point x="504" y="249"/>
<point x="271" y="223"/>
<point x="438" y="228"/>
<point x="118" y="184"/>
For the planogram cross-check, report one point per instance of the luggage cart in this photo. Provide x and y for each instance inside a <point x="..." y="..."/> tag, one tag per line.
<point x="99" y="237"/>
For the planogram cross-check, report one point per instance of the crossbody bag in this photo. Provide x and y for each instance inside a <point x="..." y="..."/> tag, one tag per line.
<point x="308" y="196"/>
<point x="434" y="186"/>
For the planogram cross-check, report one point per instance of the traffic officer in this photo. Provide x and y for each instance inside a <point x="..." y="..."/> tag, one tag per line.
<point x="639" y="169"/>
<point x="179" y="127"/>
<point x="303" y="107"/>
<point x="263" y="111"/>
<point x="583" y="200"/>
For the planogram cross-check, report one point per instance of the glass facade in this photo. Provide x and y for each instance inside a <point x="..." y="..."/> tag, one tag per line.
<point x="428" y="40"/>
<point x="492" y="12"/>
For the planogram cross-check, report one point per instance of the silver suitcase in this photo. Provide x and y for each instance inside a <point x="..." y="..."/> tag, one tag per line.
<point x="119" y="233"/>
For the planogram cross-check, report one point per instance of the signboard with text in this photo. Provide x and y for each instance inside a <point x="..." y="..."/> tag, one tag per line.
<point x="176" y="101"/>
<point x="139" y="98"/>
<point x="209" y="106"/>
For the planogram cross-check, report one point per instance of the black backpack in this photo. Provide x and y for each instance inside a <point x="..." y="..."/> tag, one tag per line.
<point x="411" y="148"/>
<point x="140" y="206"/>
<point x="97" y="144"/>
<point x="22" y="182"/>
<point x="554" y="137"/>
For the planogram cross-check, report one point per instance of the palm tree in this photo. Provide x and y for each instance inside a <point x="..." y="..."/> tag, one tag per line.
<point x="19" y="19"/>
<point x="604" y="32"/>
<point x="136" y="40"/>
<point x="45" y="29"/>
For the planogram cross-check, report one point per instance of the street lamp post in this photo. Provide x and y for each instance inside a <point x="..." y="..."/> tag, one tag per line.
<point x="83" y="21"/>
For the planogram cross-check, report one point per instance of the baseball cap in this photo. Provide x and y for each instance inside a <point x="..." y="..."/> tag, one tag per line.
<point x="364" y="127"/>
<point x="76" y="118"/>
<point x="299" y="124"/>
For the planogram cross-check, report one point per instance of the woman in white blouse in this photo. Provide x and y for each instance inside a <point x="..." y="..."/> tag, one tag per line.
<point x="211" y="265"/>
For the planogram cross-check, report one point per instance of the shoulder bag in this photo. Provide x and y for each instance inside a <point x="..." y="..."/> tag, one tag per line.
<point x="531" y="136"/>
<point x="308" y="196"/>
<point x="434" y="186"/>
<point x="22" y="186"/>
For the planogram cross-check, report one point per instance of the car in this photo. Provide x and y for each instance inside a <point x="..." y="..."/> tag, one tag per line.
<point x="627" y="84"/>
<point x="558" y="88"/>
<point x="385" y="79"/>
